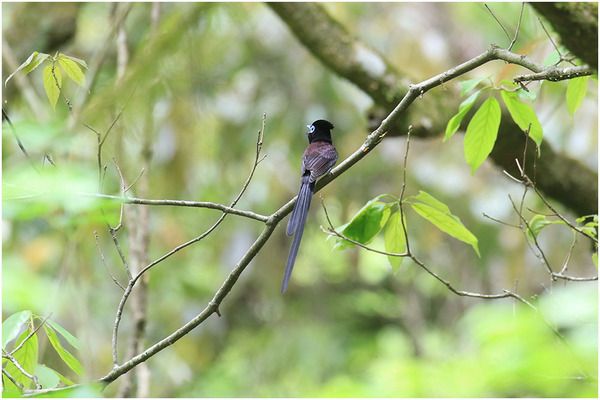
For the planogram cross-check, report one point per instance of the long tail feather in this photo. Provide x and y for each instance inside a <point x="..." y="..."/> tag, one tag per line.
<point x="296" y="225"/>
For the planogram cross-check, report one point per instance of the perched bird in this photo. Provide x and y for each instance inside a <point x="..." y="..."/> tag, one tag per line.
<point x="318" y="158"/>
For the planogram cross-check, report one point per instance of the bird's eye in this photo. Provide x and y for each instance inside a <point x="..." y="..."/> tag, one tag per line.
<point x="311" y="128"/>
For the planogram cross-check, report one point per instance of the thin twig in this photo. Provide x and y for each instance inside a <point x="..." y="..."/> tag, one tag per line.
<point x="540" y="256"/>
<point x="226" y="210"/>
<point x="104" y="262"/>
<point x="13" y="380"/>
<point x="574" y="278"/>
<point x="518" y="28"/>
<point x="499" y="23"/>
<point x="20" y="368"/>
<point x="551" y="40"/>
<point x="331" y="231"/>
<point x="60" y="88"/>
<point x="19" y="143"/>
<point x="500" y="221"/>
<point x="13" y="351"/>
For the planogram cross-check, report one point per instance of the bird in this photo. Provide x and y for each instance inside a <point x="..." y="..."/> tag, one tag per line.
<point x="318" y="158"/>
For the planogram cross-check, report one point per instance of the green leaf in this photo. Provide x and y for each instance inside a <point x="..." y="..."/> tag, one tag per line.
<point x="366" y="223"/>
<point x="34" y="60"/>
<point x="523" y="115"/>
<point x="594" y="218"/>
<point x="46" y="377"/>
<point x="470" y="84"/>
<point x="64" y="354"/>
<point x="12" y="325"/>
<point x="447" y="223"/>
<point x="463" y="109"/>
<point x="62" y="378"/>
<point x="75" y="59"/>
<point x="73" y="341"/>
<point x="27" y="357"/>
<point x="576" y="92"/>
<point x="428" y="199"/>
<point x="52" y="90"/>
<point x="481" y="133"/>
<point x="395" y="240"/>
<point x="595" y="258"/>
<point x="73" y="71"/>
<point x="536" y="224"/>
<point x="525" y="95"/>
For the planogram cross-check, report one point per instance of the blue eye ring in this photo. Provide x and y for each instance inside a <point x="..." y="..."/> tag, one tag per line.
<point x="311" y="129"/>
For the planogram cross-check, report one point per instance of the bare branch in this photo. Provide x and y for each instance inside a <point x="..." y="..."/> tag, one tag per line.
<point x="499" y="23"/>
<point x="104" y="262"/>
<point x="555" y="74"/>
<point x="13" y="380"/>
<point x="20" y="368"/>
<point x="19" y="143"/>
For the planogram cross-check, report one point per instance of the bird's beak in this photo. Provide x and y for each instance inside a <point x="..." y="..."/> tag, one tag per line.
<point x="308" y="126"/>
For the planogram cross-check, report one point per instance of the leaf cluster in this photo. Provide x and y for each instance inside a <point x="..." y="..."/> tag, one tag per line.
<point x="52" y="76"/>
<point x="25" y="351"/>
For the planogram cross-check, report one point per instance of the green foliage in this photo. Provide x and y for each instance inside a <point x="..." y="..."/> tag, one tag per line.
<point x="463" y="109"/>
<point x="52" y="76"/>
<point x="366" y="223"/>
<point x="470" y="84"/>
<point x="523" y="115"/>
<point x="348" y="327"/>
<point x="12" y="326"/>
<point x="575" y="93"/>
<point x="376" y="214"/>
<point x="481" y="133"/>
<point x="34" y="60"/>
<point x="28" y="356"/>
<point x="62" y="352"/>
<point x="439" y="215"/>
<point x="536" y="224"/>
<point x="395" y="239"/>
<point x="52" y="83"/>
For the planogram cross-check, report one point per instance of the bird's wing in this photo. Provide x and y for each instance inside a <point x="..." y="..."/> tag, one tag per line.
<point x="318" y="158"/>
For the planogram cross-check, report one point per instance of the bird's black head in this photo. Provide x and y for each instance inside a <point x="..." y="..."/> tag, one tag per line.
<point x="320" y="130"/>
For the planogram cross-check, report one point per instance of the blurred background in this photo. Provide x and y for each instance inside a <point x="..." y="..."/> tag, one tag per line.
<point x="193" y="81"/>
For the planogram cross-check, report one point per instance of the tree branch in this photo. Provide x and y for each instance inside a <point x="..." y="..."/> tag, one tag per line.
<point x="329" y="42"/>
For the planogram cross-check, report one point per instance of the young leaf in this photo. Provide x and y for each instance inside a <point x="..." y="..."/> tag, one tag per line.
<point x="463" y="109"/>
<point x="368" y="222"/>
<point x="395" y="240"/>
<point x="536" y="224"/>
<point x="75" y="59"/>
<point x="73" y="341"/>
<point x="523" y="115"/>
<point x="12" y="325"/>
<point x="595" y="258"/>
<point x="447" y="223"/>
<point x="428" y="199"/>
<point x="65" y="380"/>
<point x="470" y="84"/>
<point x="46" y="377"/>
<point x="64" y="354"/>
<point x="26" y="356"/>
<point x="34" y="60"/>
<point x="576" y="92"/>
<point x="481" y="133"/>
<point x="525" y="95"/>
<point x="73" y="71"/>
<point x="52" y="90"/>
